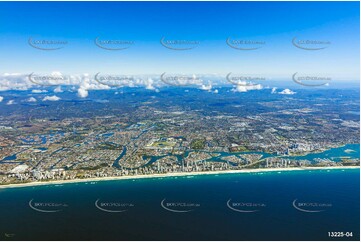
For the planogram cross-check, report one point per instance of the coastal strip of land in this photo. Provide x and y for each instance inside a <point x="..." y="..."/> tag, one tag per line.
<point x="175" y="174"/>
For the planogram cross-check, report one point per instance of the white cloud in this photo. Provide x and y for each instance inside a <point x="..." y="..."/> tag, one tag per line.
<point x="39" y="91"/>
<point x="58" y="89"/>
<point x="51" y="98"/>
<point x="89" y="84"/>
<point x="17" y="81"/>
<point x="242" y="88"/>
<point x="206" y="87"/>
<point x="287" y="92"/>
<point x="84" y="83"/>
<point x="274" y="90"/>
<point x="215" y="91"/>
<point x="14" y="81"/>
<point x="83" y="93"/>
<point x="1" y="99"/>
<point x="10" y="102"/>
<point x="31" y="100"/>
<point x="149" y="84"/>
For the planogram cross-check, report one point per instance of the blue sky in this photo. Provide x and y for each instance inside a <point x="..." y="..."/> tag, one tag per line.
<point x="145" y="23"/>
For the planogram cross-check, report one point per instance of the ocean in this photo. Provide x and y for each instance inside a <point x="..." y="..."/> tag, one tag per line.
<point x="288" y="205"/>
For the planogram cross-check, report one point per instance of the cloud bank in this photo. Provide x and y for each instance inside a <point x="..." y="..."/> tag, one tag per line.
<point x="51" y="98"/>
<point x="287" y="92"/>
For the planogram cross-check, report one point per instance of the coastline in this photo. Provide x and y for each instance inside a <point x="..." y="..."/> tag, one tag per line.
<point x="176" y="174"/>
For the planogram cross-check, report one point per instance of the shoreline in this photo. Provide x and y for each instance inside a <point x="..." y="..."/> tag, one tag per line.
<point x="176" y="174"/>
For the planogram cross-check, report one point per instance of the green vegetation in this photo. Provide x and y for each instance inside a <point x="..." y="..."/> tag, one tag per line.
<point x="198" y="144"/>
<point x="102" y="165"/>
<point x="109" y="146"/>
<point x="163" y="144"/>
<point x="238" y="149"/>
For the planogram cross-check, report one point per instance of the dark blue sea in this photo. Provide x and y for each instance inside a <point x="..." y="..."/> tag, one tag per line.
<point x="292" y="205"/>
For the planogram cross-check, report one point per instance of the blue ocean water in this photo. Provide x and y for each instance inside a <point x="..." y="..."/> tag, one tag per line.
<point x="257" y="206"/>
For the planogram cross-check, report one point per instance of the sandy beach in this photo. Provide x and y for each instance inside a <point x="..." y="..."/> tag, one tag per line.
<point x="176" y="174"/>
